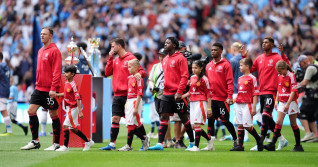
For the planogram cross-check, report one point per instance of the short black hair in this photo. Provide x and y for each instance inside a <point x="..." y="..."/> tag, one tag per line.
<point x="70" y="68"/>
<point x="119" y="41"/>
<point x="138" y="55"/>
<point x="175" y="41"/>
<point x="1" y="56"/>
<point x="218" y="44"/>
<point x="271" y="39"/>
<point x="48" y="28"/>
<point x="82" y="44"/>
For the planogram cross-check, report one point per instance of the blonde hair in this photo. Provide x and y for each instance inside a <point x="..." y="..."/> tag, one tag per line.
<point x="281" y="64"/>
<point x="237" y="45"/>
<point x="134" y="62"/>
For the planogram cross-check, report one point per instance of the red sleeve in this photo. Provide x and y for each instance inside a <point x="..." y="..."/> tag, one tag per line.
<point x="183" y="66"/>
<point x="56" y="69"/>
<point x="285" y="58"/>
<point x="109" y="67"/>
<point x="254" y="66"/>
<point x="206" y="87"/>
<point x="255" y="87"/>
<point x="293" y="83"/>
<point x="76" y="93"/>
<point x="140" y="87"/>
<point x="142" y="72"/>
<point x="229" y="80"/>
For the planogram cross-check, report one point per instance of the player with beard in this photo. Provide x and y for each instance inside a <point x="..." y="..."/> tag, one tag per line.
<point x="118" y="67"/>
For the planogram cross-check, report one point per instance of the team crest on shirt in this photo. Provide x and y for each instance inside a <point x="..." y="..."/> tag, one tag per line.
<point x="219" y="69"/>
<point x="133" y="84"/>
<point x="68" y="90"/>
<point x="286" y="84"/>
<point x="125" y="64"/>
<point x="246" y="82"/>
<point x="172" y="63"/>
<point x="270" y="62"/>
<point x="46" y="56"/>
<point x="198" y="83"/>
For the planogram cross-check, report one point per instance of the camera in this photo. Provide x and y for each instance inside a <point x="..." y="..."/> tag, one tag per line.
<point x="188" y="55"/>
<point x="299" y="74"/>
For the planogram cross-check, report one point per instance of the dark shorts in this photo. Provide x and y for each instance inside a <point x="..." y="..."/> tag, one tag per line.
<point x="43" y="99"/>
<point x="267" y="103"/>
<point x="309" y="110"/>
<point x="118" y="106"/>
<point x="169" y="105"/>
<point x="220" y="109"/>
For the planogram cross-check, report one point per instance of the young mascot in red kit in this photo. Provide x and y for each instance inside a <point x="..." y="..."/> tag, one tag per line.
<point x="133" y="108"/>
<point x="73" y="104"/>
<point x="245" y="104"/>
<point x="286" y="100"/>
<point x="199" y="93"/>
<point x="118" y="67"/>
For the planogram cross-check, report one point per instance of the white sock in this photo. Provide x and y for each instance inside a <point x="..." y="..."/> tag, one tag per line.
<point x="7" y="121"/>
<point x="43" y="120"/>
<point x="245" y="134"/>
<point x="112" y="144"/>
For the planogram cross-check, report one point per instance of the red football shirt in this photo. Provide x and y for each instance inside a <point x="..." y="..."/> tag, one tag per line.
<point x="247" y="88"/>
<point x="135" y="87"/>
<point x="286" y="85"/>
<point x="71" y="94"/>
<point x="199" y="90"/>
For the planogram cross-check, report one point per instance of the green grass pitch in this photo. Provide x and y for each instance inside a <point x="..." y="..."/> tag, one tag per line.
<point x="12" y="156"/>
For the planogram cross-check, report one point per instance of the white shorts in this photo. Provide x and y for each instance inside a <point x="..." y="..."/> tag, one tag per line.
<point x="71" y="119"/>
<point x="154" y="116"/>
<point x="3" y="104"/>
<point x="175" y="117"/>
<point x="293" y="108"/>
<point x="12" y="110"/>
<point x="198" y="112"/>
<point x="243" y="114"/>
<point x="132" y="119"/>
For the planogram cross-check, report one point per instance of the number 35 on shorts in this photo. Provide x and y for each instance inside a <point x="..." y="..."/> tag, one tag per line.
<point x="50" y="101"/>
